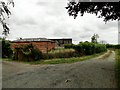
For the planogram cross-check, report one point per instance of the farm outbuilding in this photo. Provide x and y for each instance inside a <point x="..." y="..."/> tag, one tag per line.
<point x="61" y="42"/>
<point x="42" y="44"/>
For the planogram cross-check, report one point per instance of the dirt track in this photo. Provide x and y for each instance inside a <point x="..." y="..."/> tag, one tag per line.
<point x="95" y="73"/>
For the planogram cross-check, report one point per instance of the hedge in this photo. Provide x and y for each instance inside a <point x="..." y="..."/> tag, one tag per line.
<point x="113" y="46"/>
<point x="87" y="48"/>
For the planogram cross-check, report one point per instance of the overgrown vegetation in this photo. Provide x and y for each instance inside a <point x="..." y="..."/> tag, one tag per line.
<point x="117" y="69"/>
<point x="65" y="54"/>
<point x="27" y="53"/>
<point x="88" y="48"/>
<point x="116" y="48"/>
<point x="67" y="60"/>
<point x="57" y="50"/>
<point x="113" y="46"/>
<point x="63" y="60"/>
<point x="6" y="50"/>
<point x="30" y="53"/>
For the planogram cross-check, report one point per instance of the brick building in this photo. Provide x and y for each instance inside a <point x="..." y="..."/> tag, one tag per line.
<point x="42" y="44"/>
<point x="62" y="42"/>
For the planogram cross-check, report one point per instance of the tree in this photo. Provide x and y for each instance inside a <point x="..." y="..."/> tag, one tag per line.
<point x="94" y="38"/>
<point x="107" y="10"/>
<point x="4" y="11"/>
<point x="6" y="50"/>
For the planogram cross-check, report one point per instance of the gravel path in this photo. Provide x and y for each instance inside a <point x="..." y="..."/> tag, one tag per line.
<point x="95" y="73"/>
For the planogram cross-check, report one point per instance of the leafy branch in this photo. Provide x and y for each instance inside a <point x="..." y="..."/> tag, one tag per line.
<point x="4" y="10"/>
<point x="106" y="10"/>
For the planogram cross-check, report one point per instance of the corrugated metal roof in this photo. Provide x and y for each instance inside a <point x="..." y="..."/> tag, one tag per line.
<point x="31" y="39"/>
<point x="62" y="39"/>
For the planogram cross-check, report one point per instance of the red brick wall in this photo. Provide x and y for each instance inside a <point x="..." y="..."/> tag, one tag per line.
<point x="42" y="46"/>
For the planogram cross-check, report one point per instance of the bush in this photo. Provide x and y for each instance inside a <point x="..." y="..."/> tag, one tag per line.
<point x="27" y="53"/>
<point x="68" y="46"/>
<point x="113" y="46"/>
<point x="87" y="48"/>
<point x="100" y="48"/>
<point x="30" y="53"/>
<point x="6" y="50"/>
<point x="79" y="49"/>
<point x="110" y="46"/>
<point x="117" y="46"/>
<point x="117" y="69"/>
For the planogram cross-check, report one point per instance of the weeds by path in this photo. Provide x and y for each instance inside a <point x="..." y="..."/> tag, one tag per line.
<point x="60" y="60"/>
<point x="117" y="69"/>
<point x="66" y="60"/>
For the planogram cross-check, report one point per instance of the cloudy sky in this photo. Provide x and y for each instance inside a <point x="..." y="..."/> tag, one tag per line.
<point x="49" y="19"/>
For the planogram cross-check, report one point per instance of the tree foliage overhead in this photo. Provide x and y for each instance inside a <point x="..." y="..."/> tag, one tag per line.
<point x="106" y="10"/>
<point x="5" y="11"/>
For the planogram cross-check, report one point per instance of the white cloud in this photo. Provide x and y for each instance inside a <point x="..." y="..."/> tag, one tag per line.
<point x="49" y="18"/>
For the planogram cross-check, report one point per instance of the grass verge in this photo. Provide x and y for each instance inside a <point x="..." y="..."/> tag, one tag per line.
<point x="61" y="60"/>
<point x="66" y="60"/>
<point x="117" y="67"/>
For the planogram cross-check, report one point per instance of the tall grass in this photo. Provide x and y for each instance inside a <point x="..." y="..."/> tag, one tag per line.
<point x="117" y="69"/>
<point x="61" y="50"/>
